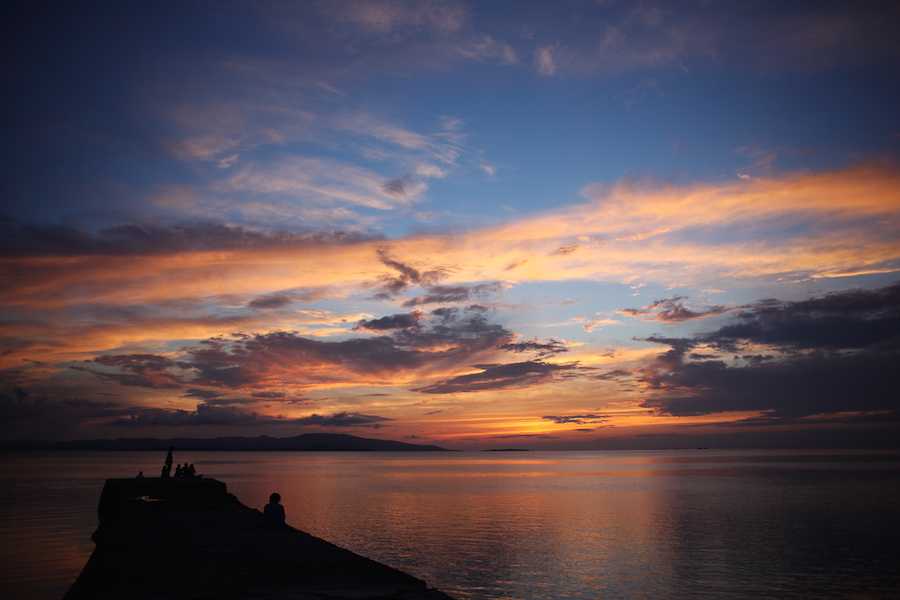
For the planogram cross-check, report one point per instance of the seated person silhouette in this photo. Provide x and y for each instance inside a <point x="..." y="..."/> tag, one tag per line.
<point x="273" y="513"/>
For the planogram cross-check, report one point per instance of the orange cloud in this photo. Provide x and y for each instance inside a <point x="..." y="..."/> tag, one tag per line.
<point x="72" y="306"/>
<point x="828" y="225"/>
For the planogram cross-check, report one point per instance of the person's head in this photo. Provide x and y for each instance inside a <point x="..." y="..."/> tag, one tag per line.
<point x="276" y="497"/>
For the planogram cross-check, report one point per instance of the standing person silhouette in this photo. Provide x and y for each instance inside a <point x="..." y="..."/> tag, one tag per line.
<point x="169" y="458"/>
<point x="273" y="513"/>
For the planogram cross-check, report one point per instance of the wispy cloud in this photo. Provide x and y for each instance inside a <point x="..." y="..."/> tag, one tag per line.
<point x="510" y="376"/>
<point x="295" y="186"/>
<point x="437" y="147"/>
<point x="627" y="38"/>
<point x="543" y="58"/>
<point x="381" y="21"/>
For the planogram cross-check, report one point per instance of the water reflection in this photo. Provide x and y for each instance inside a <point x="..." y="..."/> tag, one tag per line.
<point x="48" y="510"/>
<point x="552" y="525"/>
<point x="791" y="533"/>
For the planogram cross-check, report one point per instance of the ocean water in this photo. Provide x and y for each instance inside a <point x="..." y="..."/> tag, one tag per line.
<point x="519" y="525"/>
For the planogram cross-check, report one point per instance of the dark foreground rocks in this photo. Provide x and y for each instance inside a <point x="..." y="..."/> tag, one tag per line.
<point x="190" y="538"/>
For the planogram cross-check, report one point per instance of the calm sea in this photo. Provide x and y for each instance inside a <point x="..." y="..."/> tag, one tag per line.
<point x="519" y="525"/>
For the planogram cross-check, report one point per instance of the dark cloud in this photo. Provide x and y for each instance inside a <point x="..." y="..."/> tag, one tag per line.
<point x="269" y="395"/>
<point x="454" y="339"/>
<point x="854" y="319"/>
<point x="578" y="419"/>
<point x="673" y="310"/>
<point x="271" y="301"/>
<point x="408" y="276"/>
<point x="139" y="363"/>
<point x="231" y="400"/>
<point x="18" y="407"/>
<point x="16" y="403"/>
<point x="400" y="321"/>
<point x="397" y="187"/>
<point x="141" y="370"/>
<point x="614" y="375"/>
<point x="89" y="409"/>
<point x="793" y="387"/>
<point x="22" y="239"/>
<point x="759" y="358"/>
<point x="519" y="375"/>
<point x="446" y="313"/>
<point x="832" y="354"/>
<point x="204" y="415"/>
<point x="442" y="294"/>
<point x="203" y="394"/>
<point x="343" y="419"/>
<point x="287" y="297"/>
<point x="254" y="362"/>
<point x="551" y="347"/>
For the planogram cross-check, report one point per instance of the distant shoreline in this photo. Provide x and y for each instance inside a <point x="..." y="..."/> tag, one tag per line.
<point x="306" y="442"/>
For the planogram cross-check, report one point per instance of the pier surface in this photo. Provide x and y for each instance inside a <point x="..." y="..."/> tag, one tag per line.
<point x="190" y="539"/>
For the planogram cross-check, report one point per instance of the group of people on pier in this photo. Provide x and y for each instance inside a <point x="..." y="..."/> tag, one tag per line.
<point x="273" y="512"/>
<point x="185" y="471"/>
<point x="180" y="471"/>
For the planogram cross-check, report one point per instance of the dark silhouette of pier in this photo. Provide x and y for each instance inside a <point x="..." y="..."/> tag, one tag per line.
<point x="189" y="539"/>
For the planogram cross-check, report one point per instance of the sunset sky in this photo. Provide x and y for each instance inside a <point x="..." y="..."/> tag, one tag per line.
<point x="548" y="225"/>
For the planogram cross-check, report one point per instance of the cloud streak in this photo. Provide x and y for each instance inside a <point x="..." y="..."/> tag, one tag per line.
<point x="693" y="233"/>
<point x="510" y="376"/>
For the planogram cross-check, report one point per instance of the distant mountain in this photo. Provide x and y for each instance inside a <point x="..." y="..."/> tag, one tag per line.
<point x="306" y="442"/>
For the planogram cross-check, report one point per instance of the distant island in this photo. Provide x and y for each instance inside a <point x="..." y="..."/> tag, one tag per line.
<point x="305" y="442"/>
<point x="507" y="450"/>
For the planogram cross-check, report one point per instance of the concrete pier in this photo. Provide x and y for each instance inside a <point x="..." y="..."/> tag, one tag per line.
<point x="191" y="539"/>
